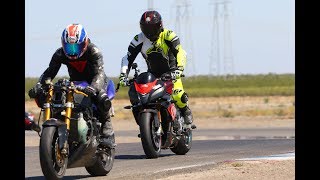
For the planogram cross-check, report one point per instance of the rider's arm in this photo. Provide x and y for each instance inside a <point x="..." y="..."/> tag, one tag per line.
<point x="173" y="42"/>
<point x="53" y="68"/>
<point x="133" y="50"/>
<point x="97" y="67"/>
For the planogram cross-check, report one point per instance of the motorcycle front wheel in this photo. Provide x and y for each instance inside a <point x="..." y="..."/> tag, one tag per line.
<point x="151" y="142"/>
<point x="53" y="163"/>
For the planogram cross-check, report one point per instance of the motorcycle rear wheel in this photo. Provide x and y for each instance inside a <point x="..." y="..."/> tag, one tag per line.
<point x="151" y="142"/>
<point x="103" y="165"/>
<point x="53" y="164"/>
<point x="184" y="144"/>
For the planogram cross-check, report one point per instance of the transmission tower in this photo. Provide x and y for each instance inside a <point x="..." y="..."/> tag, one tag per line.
<point x="214" y="65"/>
<point x="183" y="27"/>
<point x="221" y="12"/>
<point x="150" y="4"/>
<point x="140" y="60"/>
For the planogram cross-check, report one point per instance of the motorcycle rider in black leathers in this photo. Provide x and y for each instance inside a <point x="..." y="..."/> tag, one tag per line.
<point x="162" y="51"/>
<point x="84" y="61"/>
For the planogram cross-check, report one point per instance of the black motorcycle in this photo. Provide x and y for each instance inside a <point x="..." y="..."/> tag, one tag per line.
<point x="70" y="135"/>
<point x="160" y="122"/>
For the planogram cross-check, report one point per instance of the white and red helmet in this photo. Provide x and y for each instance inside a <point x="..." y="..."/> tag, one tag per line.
<point x="74" y="41"/>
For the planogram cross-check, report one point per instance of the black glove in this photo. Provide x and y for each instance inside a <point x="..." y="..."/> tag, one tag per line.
<point x="33" y="92"/>
<point x="89" y="90"/>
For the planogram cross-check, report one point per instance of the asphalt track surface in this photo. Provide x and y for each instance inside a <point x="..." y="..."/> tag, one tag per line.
<point x="217" y="146"/>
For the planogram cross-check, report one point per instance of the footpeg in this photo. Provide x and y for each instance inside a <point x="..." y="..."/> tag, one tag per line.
<point x="35" y="127"/>
<point x="189" y="126"/>
<point x="108" y="144"/>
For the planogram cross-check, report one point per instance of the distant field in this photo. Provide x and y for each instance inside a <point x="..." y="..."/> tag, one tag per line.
<point x="220" y="86"/>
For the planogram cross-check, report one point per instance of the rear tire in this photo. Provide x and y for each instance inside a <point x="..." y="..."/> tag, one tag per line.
<point x="103" y="165"/>
<point x="53" y="164"/>
<point x="184" y="144"/>
<point x="151" y="142"/>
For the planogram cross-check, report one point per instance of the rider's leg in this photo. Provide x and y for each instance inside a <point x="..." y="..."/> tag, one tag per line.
<point x="106" y="132"/>
<point x="181" y="98"/>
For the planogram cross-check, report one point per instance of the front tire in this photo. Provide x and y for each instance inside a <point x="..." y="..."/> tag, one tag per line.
<point x="53" y="163"/>
<point x="151" y="142"/>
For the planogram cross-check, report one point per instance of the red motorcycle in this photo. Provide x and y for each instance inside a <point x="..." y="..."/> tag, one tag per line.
<point x="29" y="123"/>
<point x="160" y="122"/>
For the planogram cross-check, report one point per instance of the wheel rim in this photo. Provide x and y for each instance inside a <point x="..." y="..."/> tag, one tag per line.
<point x="106" y="157"/>
<point x="156" y="139"/>
<point x="188" y="137"/>
<point x="58" y="160"/>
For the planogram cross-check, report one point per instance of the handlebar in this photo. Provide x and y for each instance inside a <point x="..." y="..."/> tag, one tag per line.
<point x="81" y="90"/>
<point x="167" y="76"/>
<point x="128" y="83"/>
<point x="118" y="86"/>
<point x="164" y="77"/>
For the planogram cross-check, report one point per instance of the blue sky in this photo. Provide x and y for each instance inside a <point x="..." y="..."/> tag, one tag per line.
<point x="262" y="32"/>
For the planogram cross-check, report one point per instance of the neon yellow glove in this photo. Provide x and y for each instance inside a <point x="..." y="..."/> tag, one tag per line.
<point x="123" y="80"/>
<point x="176" y="74"/>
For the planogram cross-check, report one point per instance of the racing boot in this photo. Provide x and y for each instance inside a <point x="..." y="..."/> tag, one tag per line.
<point x="177" y="125"/>
<point x="107" y="134"/>
<point x="188" y="117"/>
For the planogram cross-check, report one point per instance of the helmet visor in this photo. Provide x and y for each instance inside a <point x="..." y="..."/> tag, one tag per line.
<point x="151" y="31"/>
<point x="73" y="49"/>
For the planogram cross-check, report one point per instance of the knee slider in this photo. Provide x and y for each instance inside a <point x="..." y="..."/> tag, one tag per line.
<point x="184" y="97"/>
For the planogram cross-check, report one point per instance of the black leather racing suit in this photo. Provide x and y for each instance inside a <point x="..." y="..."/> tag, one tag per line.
<point x="88" y="67"/>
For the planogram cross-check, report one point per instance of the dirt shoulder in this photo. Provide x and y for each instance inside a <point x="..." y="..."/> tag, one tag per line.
<point x="244" y="170"/>
<point x="217" y="113"/>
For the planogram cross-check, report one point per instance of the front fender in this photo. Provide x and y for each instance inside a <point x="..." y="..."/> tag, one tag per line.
<point x="155" y="115"/>
<point x="62" y="129"/>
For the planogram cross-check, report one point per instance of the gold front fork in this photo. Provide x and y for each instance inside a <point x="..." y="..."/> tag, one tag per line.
<point x="47" y="111"/>
<point x="69" y="105"/>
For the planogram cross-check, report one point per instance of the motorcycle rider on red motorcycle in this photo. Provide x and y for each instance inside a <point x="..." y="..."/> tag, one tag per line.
<point x="84" y="61"/>
<point x="161" y="49"/>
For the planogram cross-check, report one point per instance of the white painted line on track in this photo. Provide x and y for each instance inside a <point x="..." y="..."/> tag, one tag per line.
<point x="184" y="167"/>
<point x="287" y="156"/>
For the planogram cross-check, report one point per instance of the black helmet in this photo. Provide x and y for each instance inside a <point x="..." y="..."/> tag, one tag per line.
<point x="151" y="24"/>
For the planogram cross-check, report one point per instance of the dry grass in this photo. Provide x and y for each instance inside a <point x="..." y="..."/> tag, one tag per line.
<point x="279" y="107"/>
